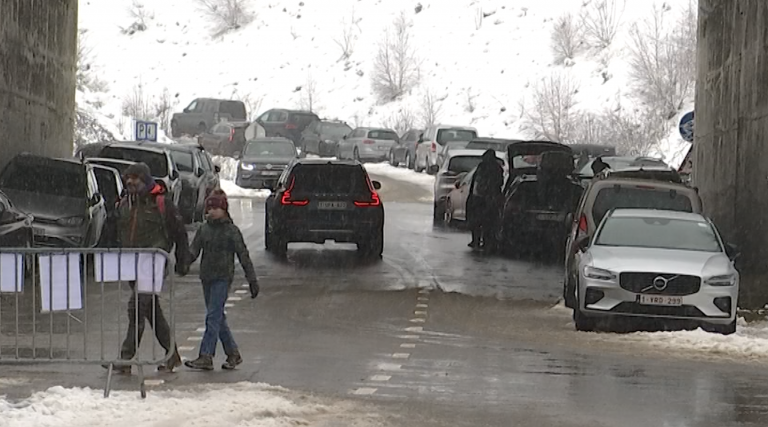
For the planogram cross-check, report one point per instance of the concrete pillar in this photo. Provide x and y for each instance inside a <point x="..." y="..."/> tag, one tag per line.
<point x="38" y="50"/>
<point x="731" y="146"/>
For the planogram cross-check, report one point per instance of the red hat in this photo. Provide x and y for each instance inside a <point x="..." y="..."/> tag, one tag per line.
<point x="217" y="200"/>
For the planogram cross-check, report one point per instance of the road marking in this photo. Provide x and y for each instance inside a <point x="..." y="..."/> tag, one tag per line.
<point x="424" y="291"/>
<point x="408" y="337"/>
<point x="381" y="378"/>
<point x="152" y="383"/>
<point x="425" y="299"/>
<point x="228" y="306"/>
<point x="417" y="320"/>
<point x="195" y="339"/>
<point x="401" y="355"/>
<point x="241" y="292"/>
<point x="200" y="329"/>
<point x="389" y="366"/>
<point x="415" y="329"/>
<point x="245" y="285"/>
<point x="407" y="345"/>
<point x="186" y="348"/>
<point x="420" y="313"/>
<point x="425" y="283"/>
<point x="422" y="306"/>
<point x="234" y="299"/>
<point x="364" y="391"/>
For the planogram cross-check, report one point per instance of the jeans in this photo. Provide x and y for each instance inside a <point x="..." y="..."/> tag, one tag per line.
<point x="148" y="309"/>
<point x="216" y="327"/>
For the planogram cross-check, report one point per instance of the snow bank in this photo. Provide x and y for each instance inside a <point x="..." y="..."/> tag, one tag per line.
<point x="241" y="404"/>
<point x="402" y="174"/>
<point x="233" y="190"/>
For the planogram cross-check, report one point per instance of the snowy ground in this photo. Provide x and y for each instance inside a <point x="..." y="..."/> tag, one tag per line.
<point x="242" y="404"/>
<point x="402" y="174"/>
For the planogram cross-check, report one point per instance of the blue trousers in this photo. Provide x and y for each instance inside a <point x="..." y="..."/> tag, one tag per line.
<point x="216" y="327"/>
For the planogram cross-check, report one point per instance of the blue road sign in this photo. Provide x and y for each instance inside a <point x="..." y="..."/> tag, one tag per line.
<point x="145" y="131"/>
<point x="686" y="126"/>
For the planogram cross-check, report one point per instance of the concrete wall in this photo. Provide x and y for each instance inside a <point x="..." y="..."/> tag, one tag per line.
<point x="38" y="49"/>
<point x="731" y="146"/>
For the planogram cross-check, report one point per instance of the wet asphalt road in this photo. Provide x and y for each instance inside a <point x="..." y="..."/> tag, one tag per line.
<point x="435" y="335"/>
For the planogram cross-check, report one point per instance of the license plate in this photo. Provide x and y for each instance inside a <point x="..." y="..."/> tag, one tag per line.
<point x="664" y="300"/>
<point x="332" y="205"/>
<point x="382" y="148"/>
<point x="38" y="231"/>
<point x="550" y="217"/>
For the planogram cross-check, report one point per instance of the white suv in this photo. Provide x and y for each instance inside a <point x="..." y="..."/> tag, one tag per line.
<point x="432" y="141"/>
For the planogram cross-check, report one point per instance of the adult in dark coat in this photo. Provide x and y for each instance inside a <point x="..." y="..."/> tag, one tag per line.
<point x="484" y="200"/>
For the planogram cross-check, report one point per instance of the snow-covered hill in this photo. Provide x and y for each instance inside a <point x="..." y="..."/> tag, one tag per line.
<point x="480" y="59"/>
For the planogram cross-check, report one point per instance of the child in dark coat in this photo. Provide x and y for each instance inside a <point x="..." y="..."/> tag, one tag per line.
<point x="219" y="240"/>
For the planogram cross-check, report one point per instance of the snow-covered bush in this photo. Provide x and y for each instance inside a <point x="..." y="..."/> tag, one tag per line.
<point x="226" y="15"/>
<point x="552" y="115"/>
<point x="567" y="37"/>
<point x="632" y="134"/>
<point x="310" y="95"/>
<point x="601" y="20"/>
<point x="396" y="67"/>
<point x="401" y="121"/>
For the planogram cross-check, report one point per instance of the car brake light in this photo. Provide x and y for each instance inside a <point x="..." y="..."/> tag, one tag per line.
<point x="231" y="134"/>
<point x="368" y="141"/>
<point x="375" y="200"/>
<point x="290" y="126"/>
<point x="583" y="224"/>
<point x="286" y="199"/>
<point x="434" y="147"/>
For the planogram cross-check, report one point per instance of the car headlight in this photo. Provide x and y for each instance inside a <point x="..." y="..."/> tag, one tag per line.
<point x="599" y="274"/>
<point x="73" y="221"/>
<point x="724" y="280"/>
<point x="247" y="166"/>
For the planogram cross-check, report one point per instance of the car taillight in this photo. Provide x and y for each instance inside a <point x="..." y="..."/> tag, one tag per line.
<point x="286" y="200"/>
<point x="368" y="141"/>
<point x="231" y="134"/>
<point x="434" y="147"/>
<point x="583" y="226"/>
<point x="290" y="126"/>
<point x="375" y="200"/>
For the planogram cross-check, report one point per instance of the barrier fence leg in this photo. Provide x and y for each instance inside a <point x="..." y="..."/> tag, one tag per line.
<point x="142" y="385"/>
<point x="108" y="386"/>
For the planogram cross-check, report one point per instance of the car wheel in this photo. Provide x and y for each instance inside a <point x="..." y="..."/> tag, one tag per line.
<point x="582" y="322"/>
<point x="392" y="159"/>
<point x="408" y="161"/>
<point x="438" y="214"/>
<point x="356" y="155"/>
<point x="267" y="235"/>
<point x="175" y="132"/>
<point x="417" y="167"/>
<point x="569" y="291"/>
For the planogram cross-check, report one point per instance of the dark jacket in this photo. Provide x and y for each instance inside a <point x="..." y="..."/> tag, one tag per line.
<point x="220" y="240"/>
<point x="485" y="188"/>
<point x="140" y="224"/>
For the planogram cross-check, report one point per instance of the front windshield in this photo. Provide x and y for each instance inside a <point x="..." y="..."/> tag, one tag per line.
<point x="658" y="233"/>
<point x="447" y="135"/>
<point x="157" y="161"/>
<point x="270" y="149"/>
<point x="63" y="179"/>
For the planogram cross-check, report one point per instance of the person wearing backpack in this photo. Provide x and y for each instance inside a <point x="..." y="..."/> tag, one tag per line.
<point x="147" y="218"/>
<point x="219" y="240"/>
<point x="484" y="200"/>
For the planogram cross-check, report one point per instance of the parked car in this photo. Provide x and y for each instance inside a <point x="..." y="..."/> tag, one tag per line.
<point x="290" y="124"/>
<point x="317" y="200"/>
<point x="15" y="225"/>
<point x="459" y="162"/>
<point x="111" y="188"/>
<point x="367" y="144"/>
<point x="199" y="176"/>
<point x="61" y="195"/>
<point x="263" y="161"/>
<point x="119" y="165"/>
<point x="405" y="150"/>
<point x="583" y="153"/>
<point x="663" y="265"/>
<point x="202" y="113"/>
<point x="448" y="147"/>
<point x="495" y="144"/>
<point x="605" y="194"/>
<point x="456" y="200"/>
<point x="431" y="141"/>
<point x="322" y="137"/>
<point x="224" y="138"/>
<point x="620" y="163"/>
<point x="156" y="156"/>
<point x="538" y="202"/>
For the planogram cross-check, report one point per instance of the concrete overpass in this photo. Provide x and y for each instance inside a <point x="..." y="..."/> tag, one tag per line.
<point x="38" y="50"/>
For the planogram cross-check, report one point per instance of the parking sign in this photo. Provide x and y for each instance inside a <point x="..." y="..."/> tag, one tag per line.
<point x="145" y="131"/>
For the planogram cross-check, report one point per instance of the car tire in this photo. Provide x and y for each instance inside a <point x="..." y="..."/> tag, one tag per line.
<point x="569" y="291"/>
<point x="267" y="235"/>
<point x="175" y="132"/>
<point x="356" y="155"/>
<point x="416" y="165"/>
<point x="438" y="214"/>
<point x="393" y="159"/>
<point x="581" y="321"/>
<point x="408" y="161"/>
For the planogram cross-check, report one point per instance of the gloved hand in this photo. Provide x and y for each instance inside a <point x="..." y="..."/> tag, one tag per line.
<point x="182" y="269"/>
<point x="254" y="285"/>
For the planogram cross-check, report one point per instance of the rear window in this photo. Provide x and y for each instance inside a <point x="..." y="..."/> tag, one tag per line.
<point x="446" y="135"/>
<point x="483" y="145"/>
<point x="183" y="161"/>
<point x="330" y="179"/>
<point x="107" y="185"/>
<point x="64" y="180"/>
<point x="632" y="197"/>
<point x="461" y="164"/>
<point x="303" y="120"/>
<point x="386" y="135"/>
<point x="233" y="108"/>
<point x="157" y="162"/>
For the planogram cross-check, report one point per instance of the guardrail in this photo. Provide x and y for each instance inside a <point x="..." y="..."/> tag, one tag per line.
<point x="66" y="306"/>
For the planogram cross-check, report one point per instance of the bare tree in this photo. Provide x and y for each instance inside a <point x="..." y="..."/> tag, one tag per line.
<point x="567" y="37"/>
<point x="140" y="14"/>
<point x="431" y="107"/>
<point x="348" y="37"/>
<point x="396" y="68"/>
<point x="552" y="114"/>
<point x="138" y="105"/>
<point x="469" y="107"/>
<point x="310" y="95"/>
<point x="660" y="61"/>
<point x="479" y="18"/>
<point x="163" y="107"/>
<point x="227" y="15"/>
<point x="252" y="103"/>
<point x="401" y="121"/>
<point x="358" y="120"/>
<point x="634" y="134"/>
<point x="601" y="20"/>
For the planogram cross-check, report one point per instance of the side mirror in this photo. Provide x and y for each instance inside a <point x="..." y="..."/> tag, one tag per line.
<point x="186" y="110"/>
<point x="376" y="185"/>
<point x="582" y="244"/>
<point x="433" y="169"/>
<point x="217" y="168"/>
<point x="199" y="172"/>
<point x="175" y="175"/>
<point x="732" y="251"/>
<point x="344" y="137"/>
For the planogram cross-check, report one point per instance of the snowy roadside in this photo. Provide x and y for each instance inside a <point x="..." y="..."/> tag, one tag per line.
<point x="242" y="404"/>
<point x="227" y="178"/>
<point x="402" y="174"/>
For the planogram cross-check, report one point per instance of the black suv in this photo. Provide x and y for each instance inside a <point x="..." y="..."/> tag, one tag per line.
<point x="286" y="123"/>
<point x="322" y="137"/>
<point x="317" y="200"/>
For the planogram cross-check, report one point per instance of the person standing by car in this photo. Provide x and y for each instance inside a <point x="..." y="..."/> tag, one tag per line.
<point x="484" y="200"/>
<point x="219" y="240"/>
<point x="146" y="218"/>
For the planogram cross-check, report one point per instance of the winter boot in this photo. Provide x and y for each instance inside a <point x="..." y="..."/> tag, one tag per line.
<point x="172" y="363"/>
<point x="203" y="363"/>
<point x="233" y="360"/>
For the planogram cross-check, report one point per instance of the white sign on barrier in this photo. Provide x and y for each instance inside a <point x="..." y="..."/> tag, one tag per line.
<point x="149" y="281"/>
<point x="55" y="285"/>
<point x="11" y="273"/>
<point x="114" y="267"/>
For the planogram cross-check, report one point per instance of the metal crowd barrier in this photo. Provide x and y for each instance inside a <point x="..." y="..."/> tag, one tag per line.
<point x="67" y="306"/>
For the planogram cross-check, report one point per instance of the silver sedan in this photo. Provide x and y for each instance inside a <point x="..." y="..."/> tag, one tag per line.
<point x="657" y="264"/>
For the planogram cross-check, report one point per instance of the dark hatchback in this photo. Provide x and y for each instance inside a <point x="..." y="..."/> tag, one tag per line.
<point x="15" y="225"/>
<point x="322" y="137"/>
<point x="317" y="200"/>
<point x="263" y="161"/>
